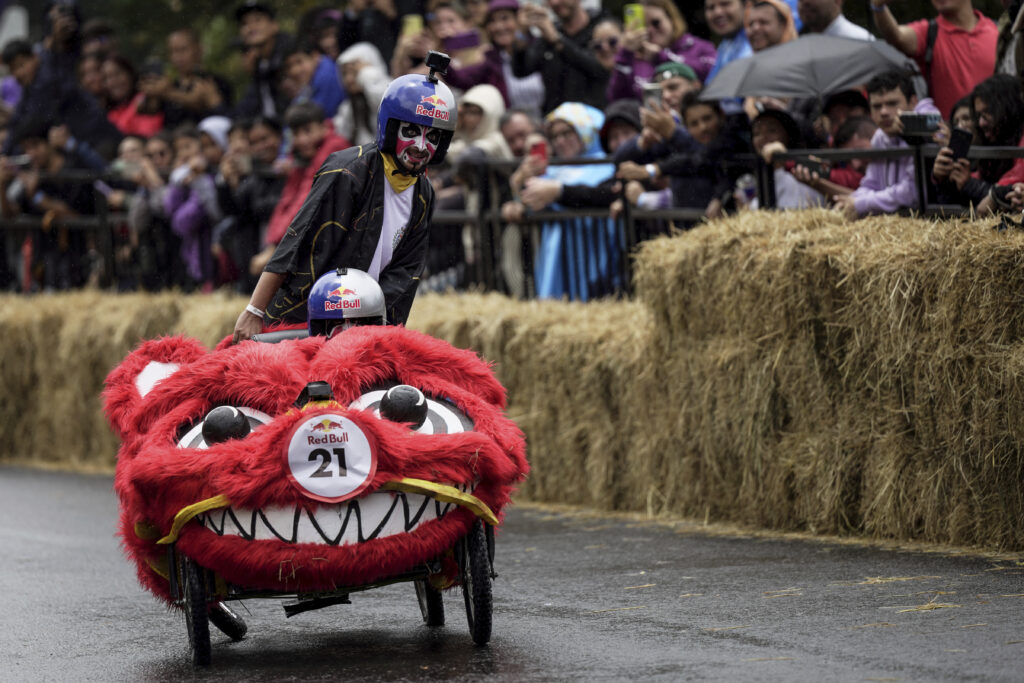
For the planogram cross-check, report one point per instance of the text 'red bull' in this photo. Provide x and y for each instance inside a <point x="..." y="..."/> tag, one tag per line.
<point x="433" y="112"/>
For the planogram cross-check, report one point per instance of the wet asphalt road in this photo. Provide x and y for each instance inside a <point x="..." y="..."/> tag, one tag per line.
<point x="578" y="598"/>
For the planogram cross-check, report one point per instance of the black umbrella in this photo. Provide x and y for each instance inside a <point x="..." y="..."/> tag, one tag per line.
<point x="810" y="66"/>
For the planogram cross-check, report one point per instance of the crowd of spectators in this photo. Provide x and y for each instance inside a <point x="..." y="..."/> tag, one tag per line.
<point x="203" y="179"/>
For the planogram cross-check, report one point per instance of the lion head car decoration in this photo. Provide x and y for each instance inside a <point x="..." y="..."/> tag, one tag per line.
<point x="310" y="466"/>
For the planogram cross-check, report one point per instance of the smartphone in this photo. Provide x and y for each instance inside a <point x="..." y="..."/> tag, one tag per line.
<point x="412" y="24"/>
<point x="815" y="165"/>
<point x="960" y="142"/>
<point x="539" y="149"/>
<point x="633" y="17"/>
<point x="652" y="96"/>
<point x="462" y="41"/>
<point x="920" y="124"/>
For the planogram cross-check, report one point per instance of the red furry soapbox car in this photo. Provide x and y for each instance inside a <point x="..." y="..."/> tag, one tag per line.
<point x="310" y="469"/>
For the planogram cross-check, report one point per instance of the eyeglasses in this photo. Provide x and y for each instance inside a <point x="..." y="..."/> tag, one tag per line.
<point x="611" y="43"/>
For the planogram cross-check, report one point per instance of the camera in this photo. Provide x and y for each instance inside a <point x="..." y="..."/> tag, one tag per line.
<point x="437" y="62"/>
<point x="920" y="124"/>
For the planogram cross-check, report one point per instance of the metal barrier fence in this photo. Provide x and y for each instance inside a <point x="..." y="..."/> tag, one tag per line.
<point x="488" y="262"/>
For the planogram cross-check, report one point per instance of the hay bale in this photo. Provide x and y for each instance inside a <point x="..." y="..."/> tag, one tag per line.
<point x="210" y="318"/>
<point x="565" y="367"/>
<point x="96" y="331"/>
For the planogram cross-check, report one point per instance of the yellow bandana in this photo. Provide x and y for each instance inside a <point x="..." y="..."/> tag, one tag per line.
<point x="399" y="181"/>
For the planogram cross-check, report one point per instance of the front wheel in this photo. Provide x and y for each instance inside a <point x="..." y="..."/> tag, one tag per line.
<point x="431" y="604"/>
<point x="476" y="584"/>
<point x="197" y="619"/>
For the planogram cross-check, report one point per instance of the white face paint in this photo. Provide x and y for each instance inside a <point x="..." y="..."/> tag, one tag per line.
<point x="416" y="145"/>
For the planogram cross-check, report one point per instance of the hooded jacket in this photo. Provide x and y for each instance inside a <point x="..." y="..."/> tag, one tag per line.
<point x="356" y="120"/>
<point x="487" y="136"/>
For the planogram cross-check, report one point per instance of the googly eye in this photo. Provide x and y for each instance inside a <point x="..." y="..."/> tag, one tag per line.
<point x="221" y="424"/>
<point x="442" y="416"/>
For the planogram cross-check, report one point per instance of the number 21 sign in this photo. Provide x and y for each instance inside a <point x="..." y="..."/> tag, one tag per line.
<point x="329" y="458"/>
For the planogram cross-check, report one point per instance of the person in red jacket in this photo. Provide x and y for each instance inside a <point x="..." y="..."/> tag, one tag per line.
<point x="313" y="140"/>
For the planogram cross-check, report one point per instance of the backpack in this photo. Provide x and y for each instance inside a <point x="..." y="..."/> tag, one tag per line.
<point x="929" y="50"/>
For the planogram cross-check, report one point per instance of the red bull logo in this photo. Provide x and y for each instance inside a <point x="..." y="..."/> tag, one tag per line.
<point x="433" y="111"/>
<point x="339" y="292"/>
<point x="325" y="425"/>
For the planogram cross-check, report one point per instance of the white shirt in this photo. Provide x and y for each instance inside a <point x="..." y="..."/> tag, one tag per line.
<point x="397" y="210"/>
<point x="844" y="28"/>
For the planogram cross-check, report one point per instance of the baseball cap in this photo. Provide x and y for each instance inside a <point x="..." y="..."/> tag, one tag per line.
<point x="253" y="6"/>
<point x="668" y="70"/>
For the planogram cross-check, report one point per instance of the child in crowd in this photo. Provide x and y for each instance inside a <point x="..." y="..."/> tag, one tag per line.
<point x="314" y="77"/>
<point x="888" y="185"/>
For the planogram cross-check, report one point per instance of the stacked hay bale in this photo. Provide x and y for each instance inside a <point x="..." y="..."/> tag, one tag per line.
<point x="873" y="378"/>
<point x="564" y="366"/>
<point x="60" y="348"/>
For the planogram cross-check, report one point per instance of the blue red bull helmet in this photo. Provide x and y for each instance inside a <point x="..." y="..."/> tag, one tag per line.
<point x="344" y="298"/>
<point x="417" y="99"/>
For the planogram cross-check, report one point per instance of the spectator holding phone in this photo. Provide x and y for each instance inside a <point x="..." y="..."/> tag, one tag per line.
<point x="264" y="46"/>
<point x="56" y="255"/>
<point x="663" y="38"/>
<point x="888" y="185"/>
<point x="963" y="51"/>
<point x="570" y="71"/>
<point x="502" y="27"/>
<point x="47" y="94"/>
<point x="193" y="94"/>
<point x="998" y="111"/>
<point x="843" y="178"/>
<point x="128" y="107"/>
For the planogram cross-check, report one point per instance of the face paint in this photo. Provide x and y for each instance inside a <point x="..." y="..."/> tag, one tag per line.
<point x="416" y="145"/>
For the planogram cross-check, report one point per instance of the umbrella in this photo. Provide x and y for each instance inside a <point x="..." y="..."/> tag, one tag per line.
<point x="810" y="66"/>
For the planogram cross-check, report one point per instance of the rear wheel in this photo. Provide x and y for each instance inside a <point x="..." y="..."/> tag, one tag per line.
<point x="431" y="604"/>
<point x="476" y="584"/>
<point x="197" y="618"/>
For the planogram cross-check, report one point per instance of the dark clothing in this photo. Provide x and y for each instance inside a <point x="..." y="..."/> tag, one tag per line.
<point x="264" y="95"/>
<point x="585" y="196"/>
<point x="56" y="99"/>
<point x="569" y="68"/>
<point x="371" y="26"/>
<point x="175" y="114"/>
<point x="339" y="225"/>
<point x="697" y="173"/>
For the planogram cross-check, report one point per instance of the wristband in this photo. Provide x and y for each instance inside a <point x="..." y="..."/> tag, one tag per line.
<point x="255" y="311"/>
<point x="652" y="170"/>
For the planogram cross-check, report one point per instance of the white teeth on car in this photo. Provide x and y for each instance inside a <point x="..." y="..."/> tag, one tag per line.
<point x="377" y="515"/>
